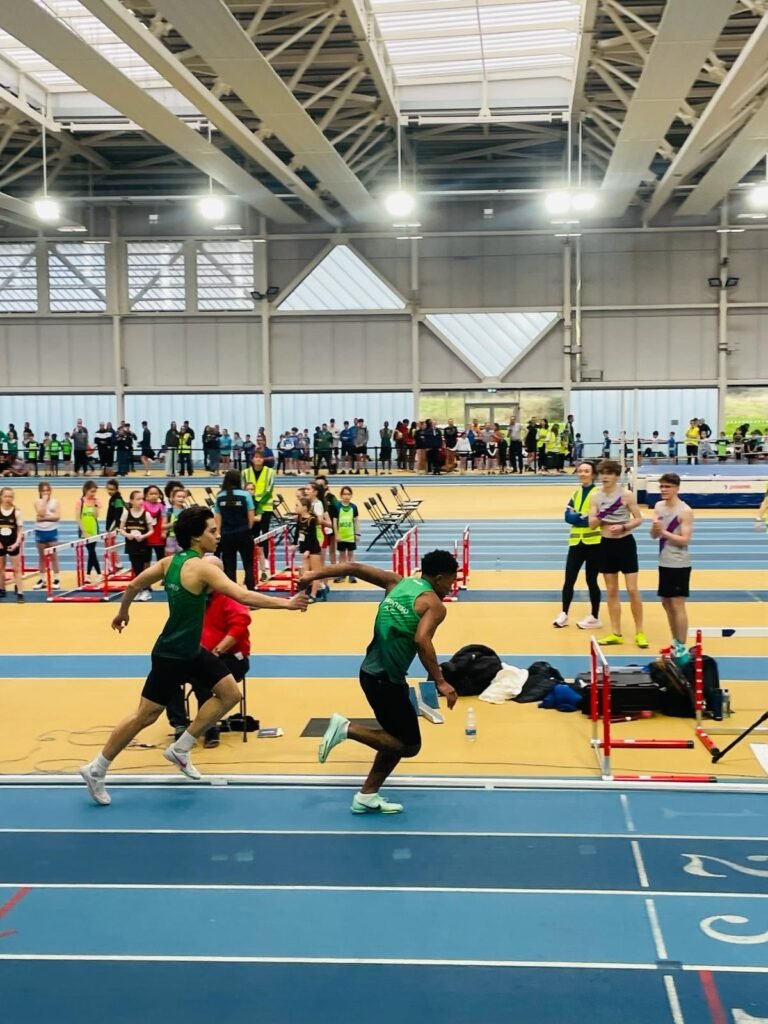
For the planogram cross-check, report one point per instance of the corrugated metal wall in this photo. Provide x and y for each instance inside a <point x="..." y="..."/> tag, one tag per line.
<point x="597" y="410"/>
<point x="56" y="413"/>
<point x="243" y="412"/>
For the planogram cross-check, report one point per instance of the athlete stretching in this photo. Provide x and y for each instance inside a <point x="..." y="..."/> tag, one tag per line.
<point x="406" y="622"/>
<point x="177" y="657"/>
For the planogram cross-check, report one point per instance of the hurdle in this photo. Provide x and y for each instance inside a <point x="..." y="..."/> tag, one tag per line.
<point x="603" y="743"/>
<point x="285" y="580"/>
<point x="27" y="569"/>
<point x="405" y="553"/>
<point x="461" y="552"/>
<point x="113" y="581"/>
<point x="728" y="632"/>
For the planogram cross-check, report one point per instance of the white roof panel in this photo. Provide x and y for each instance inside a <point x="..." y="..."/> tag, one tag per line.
<point x="446" y="37"/>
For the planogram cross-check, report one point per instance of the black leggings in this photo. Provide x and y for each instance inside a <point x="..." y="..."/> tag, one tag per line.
<point x="93" y="560"/>
<point x="139" y="558"/>
<point x="234" y="545"/>
<point x="578" y="555"/>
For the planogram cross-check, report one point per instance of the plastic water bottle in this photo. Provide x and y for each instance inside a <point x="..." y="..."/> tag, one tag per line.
<point x="470" y="729"/>
<point x="726" y="703"/>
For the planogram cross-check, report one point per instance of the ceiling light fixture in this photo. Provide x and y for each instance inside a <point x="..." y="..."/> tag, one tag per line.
<point x="46" y="209"/>
<point x="211" y="207"/>
<point x="400" y="203"/>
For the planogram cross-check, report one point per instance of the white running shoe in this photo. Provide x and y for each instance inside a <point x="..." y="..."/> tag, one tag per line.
<point x="589" y="623"/>
<point x="560" y="621"/>
<point x="145" y="595"/>
<point x="183" y="762"/>
<point x="96" y="785"/>
<point x="40" y="585"/>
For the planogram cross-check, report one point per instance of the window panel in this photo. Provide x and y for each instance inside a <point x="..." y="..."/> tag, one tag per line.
<point x="225" y="275"/>
<point x="156" y="277"/>
<point x="77" y="277"/>
<point x="18" y="277"/>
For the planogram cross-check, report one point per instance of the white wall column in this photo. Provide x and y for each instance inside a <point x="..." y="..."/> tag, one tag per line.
<point x="117" y="297"/>
<point x="722" y="324"/>
<point x="261" y="279"/>
<point x="414" y="307"/>
<point x="567" y="324"/>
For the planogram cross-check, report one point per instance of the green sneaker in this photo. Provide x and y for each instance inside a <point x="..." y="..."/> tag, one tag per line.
<point x="641" y="640"/>
<point x="611" y="640"/>
<point x="373" y="803"/>
<point x="334" y="734"/>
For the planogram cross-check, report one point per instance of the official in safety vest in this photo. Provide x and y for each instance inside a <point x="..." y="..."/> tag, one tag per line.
<point x="583" y="550"/>
<point x="185" y="452"/>
<point x="262" y="479"/>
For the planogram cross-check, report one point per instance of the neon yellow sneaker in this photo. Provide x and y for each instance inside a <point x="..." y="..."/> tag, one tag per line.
<point x="611" y="640"/>
<point x="641" y="639"/>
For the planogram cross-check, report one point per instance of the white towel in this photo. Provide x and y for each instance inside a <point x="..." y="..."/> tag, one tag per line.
<point x="505" y="685"/>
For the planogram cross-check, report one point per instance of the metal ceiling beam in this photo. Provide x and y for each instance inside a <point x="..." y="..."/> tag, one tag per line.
<point x="132" y="32"/>
<point x="745" y="150"/>
<point x="213" y="31"/>
<point x="36" y="28"/>
<point x="686" y="35"/>
<point x="719" y="116"/>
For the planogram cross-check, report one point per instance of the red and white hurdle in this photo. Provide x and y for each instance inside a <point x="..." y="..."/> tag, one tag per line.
<point x="283" y="580"/>
<point x="603" y="743"/>
<point x="113" y="580"/>
<point x="405" y="559"/>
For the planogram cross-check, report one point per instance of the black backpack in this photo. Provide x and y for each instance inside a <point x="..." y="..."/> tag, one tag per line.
<point x="471" y="669"/>
<point x="678" y="687"/>
<point x="542" y="677"/>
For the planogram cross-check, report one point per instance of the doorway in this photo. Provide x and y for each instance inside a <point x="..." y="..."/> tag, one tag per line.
<point x="491" y="412"/>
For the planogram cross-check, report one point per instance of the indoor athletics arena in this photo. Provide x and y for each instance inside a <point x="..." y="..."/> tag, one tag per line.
<point x="439" y="327"/>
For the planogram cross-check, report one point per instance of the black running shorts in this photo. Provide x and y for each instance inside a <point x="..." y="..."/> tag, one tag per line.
<point x="674" y="581"/>
<point x="618" y="554"/>
<point x="167" y="675"/>
<point x="391" y="705"/>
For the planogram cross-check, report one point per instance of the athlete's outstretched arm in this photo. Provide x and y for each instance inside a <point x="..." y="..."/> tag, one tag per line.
<point x="214" y="578"/>
<point x="360" y="570"/>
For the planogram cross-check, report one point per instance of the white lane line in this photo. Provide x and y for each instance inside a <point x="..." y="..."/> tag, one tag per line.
<point x="627" y="812"/>
<point x="408" y="889"/>
<point x="658" y="938"/>
<point x="383" y="834"/>
<point x="642" y="874"/>
<point x="674" y="1000"/>
<point x="557" y="964"/>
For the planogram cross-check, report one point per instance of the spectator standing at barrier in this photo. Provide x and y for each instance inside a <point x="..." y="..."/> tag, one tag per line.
<point x="177" y="656"/>
<point x="147" y="451"/>
<point x="124" y="446"/>
<point x="31" y="449"/>
<point x="11" y="542"/>
<point x="323" y="448"/>
<point x="433" y="440"/>
<point x="692" y="443"/>
<point x="249" y="447"/>
<point x="672" y="447"/>
<point x="705" y="432"/>
<point x="569" y="436"/>
<point x="672" y="526"/>
<point x="361" y="446"/>
<point x="399" y="439"/>
<point x="262" y="479"/>
<point x="171" y="447"/>
<point x="12" y="441"/>
<point x="450" y="437"/>
<point x="235" y="511"/>
<point x="531" y="445"/>
<point x="410" y="443"/>
<point x="47" y="516"/>
<point x="385" y="447"/>
<point x="87" y="518"/>
<point x="614" y="511"/>
<point x="463" y="451"/>
<point x="186" y="437"/>
<point x="583" y="550"/>
<point x="66" y="453"/>
<point x="335" y="441"/>
<point x="80" y="447"/>
<point x="237" y="451"/>
<point x="225" y="449"/>
<point x="54" y="454"/>
<point x="263" y="448"/>
<point x="515" y="442"/>
<point x="347" y="442"/>
<point x="104" y="440"/>
<point x="136" y="525"/>
<point x="420" y="444"/>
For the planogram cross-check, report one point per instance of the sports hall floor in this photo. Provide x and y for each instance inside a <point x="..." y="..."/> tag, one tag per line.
<point x="478" y="904"/>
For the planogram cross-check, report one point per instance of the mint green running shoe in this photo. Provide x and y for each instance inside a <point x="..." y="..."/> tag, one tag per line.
<point x="373" y="803"/>
<point x="334" y="734"/>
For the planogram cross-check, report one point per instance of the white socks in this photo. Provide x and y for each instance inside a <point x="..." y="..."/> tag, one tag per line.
<point x="100" y="765"/>
<point x="185" y="742"/>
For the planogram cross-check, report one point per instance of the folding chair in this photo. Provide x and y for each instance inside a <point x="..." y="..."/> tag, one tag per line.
<point x="412" y="504"/>
<point x="281" y="511"/>
<point x="188" y="691"/>
<point x="401" y="515"/>
<point x="387" y="526"/>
